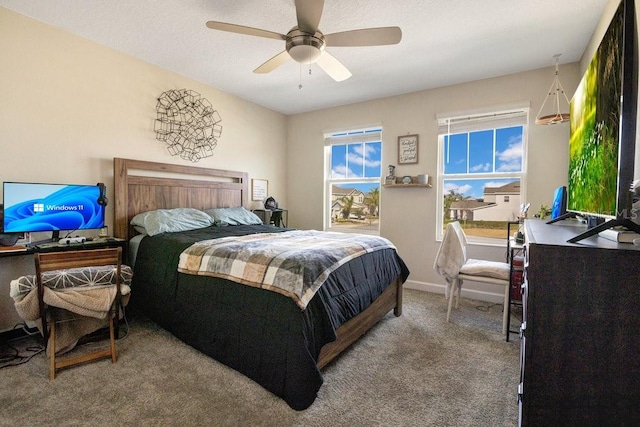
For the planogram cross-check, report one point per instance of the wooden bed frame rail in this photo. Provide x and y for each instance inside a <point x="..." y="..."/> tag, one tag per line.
<point x="352" y="330"/>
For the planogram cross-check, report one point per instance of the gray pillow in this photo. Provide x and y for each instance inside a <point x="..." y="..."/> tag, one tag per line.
<point x="171" y="220"/>
<point x="233" y="216"/>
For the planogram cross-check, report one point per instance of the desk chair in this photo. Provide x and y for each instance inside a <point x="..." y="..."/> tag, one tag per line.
<point x="454" y="266"/>
<point x="52" y="261"/>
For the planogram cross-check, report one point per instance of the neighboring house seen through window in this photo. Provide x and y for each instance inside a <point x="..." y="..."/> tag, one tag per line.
<point x="353" y="165"/>
<point x="481" y="172"/>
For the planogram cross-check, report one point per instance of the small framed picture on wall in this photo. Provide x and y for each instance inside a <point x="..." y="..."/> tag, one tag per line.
<point x="259" y="189"/>
<point x="407" y="149"/>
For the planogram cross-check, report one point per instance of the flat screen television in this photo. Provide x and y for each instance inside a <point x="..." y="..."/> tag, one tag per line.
<point x="559" y="206"/>
<point x="32" y="207"/>
<point x="603" y="129"/>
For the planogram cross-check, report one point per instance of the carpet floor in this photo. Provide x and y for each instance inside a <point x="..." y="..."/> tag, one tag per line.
<point x="414" y="370"/>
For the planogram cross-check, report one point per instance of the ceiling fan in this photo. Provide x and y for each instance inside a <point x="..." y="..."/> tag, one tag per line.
<point x="306" y="44"/>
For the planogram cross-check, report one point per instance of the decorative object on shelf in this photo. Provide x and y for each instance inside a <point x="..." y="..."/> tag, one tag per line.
<point x="543" y="213"/>
<point x="406" y="179"/>
<point x="391" y="177"/>
<point x="423" y="179"/>
<point x="187" y="123"/>
<point x="554" y="93"/>
<point x="408" y="149"/>
<point x="259" y="189"/>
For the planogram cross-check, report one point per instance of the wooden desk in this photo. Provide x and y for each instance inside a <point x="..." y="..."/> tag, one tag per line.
<point x="101" y="243"/>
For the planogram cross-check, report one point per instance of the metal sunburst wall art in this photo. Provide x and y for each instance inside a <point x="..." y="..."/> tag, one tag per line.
<point x="188" y="124"/>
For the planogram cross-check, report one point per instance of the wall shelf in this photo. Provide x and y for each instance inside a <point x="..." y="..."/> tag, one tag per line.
<point x="406" y="185"/>
<point x="414" y="183"/>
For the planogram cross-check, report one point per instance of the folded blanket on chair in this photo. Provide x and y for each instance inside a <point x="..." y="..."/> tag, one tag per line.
<point x="450" y="257"/>
<point x="91" y="298"/>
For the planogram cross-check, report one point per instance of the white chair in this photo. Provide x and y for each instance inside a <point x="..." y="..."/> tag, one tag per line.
<point x="454" y="266"/>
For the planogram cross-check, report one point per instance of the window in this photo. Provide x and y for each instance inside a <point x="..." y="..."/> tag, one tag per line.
<point x="481" y="172"/>
<point x="353" y="165"/>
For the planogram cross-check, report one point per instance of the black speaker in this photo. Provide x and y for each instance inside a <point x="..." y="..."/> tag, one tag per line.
<point x="102" y="199"/>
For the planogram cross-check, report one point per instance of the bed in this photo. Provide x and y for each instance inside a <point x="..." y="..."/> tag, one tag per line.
<point x="265" y="335"/>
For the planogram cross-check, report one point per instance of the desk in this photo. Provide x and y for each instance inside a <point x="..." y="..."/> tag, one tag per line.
<point x="271" y="216"/>
<point x="100" y="243"/>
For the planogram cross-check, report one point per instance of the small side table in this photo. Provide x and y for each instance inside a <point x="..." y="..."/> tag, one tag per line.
<point x="275" y="217"/>
<point x="515" y="258"/>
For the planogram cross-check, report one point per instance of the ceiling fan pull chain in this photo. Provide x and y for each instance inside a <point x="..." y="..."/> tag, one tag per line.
<point x="300" y="84"/>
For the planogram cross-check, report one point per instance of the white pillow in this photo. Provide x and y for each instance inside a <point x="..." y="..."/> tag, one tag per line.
<point x="171" y="220"/>
<point x="233" y="216"/>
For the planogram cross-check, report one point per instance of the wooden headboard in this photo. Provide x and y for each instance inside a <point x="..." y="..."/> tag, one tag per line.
<point x="142" y="186"/>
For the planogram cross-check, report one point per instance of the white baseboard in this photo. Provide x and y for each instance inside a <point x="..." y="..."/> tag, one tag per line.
<point x="474" y="294"/>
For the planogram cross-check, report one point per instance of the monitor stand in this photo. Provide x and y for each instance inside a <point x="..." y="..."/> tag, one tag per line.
<point x="563" y="217"/>
<point x="618" y="222"/>
<point x="55" y="237"/>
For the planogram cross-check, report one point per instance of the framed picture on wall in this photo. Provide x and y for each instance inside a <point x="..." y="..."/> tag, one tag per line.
<point x="407" y="149"/>
<point x="259" y="189"/>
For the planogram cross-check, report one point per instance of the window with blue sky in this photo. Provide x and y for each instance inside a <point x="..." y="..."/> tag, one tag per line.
<point x="482" y="167"/>
<point x="354" y="161"/>
<point x="483" y="152"/>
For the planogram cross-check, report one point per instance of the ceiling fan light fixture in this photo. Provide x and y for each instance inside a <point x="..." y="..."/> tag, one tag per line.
<point x="305" y="54"/>
<point x="303" y="47"/>
<point x="555" y="91"/>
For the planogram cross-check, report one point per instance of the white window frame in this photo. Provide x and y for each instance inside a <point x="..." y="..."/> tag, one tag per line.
<point x="350" y="136"/>
<point x="515" y="115"/>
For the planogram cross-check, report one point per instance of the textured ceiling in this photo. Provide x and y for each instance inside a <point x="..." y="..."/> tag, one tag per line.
<point x="443" y="42"/>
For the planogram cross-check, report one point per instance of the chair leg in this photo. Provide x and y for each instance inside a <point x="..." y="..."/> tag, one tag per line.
<point x="114" y="356"/>
<point x="459" y="290"/>
<point x="454" y="284"/>
<point x="505" y="310"/>
<point x="52" y="350"/>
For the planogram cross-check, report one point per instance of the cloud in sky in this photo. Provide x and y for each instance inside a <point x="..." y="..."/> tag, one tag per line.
<point x="461" y="189"/>
<point x="364" y="154"/>
<point x="511" y="157"/>
<point x="483" y="167"/>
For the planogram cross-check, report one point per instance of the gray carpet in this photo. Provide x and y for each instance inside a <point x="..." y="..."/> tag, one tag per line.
<point x="415" y="370"/>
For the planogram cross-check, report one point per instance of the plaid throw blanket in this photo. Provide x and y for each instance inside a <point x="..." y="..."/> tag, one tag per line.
<point x="295" y="263"/>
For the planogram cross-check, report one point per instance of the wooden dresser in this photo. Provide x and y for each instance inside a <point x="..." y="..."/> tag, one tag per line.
<point x="580" y="356"/>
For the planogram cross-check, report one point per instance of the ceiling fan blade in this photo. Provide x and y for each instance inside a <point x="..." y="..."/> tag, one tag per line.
<point x="333" y="67"/>
<point x="241" y="29"/>
<point x="365" y="37"/>
<point x="273" y="63"/>
<point x="309" y="13"/>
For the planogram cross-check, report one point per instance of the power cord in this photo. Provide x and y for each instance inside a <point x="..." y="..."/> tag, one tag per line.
<point x="126" y="322"/>
<point x="487" y="308"/>
<point x="11" y="355"/>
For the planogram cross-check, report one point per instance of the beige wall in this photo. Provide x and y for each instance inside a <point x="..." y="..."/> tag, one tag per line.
<point x="408" y="215"/>
<point x="68" y="106"/>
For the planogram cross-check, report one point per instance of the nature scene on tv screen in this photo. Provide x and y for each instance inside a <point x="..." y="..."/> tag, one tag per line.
<point x="595" y="118"/>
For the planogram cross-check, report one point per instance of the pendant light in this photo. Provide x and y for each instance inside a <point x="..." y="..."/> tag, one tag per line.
<point x="555" y="91"/>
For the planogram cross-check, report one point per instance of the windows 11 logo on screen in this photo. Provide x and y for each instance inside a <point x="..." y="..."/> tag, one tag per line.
<point x="30" y="207"/>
